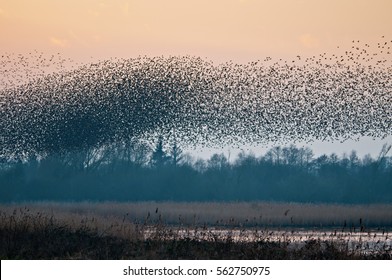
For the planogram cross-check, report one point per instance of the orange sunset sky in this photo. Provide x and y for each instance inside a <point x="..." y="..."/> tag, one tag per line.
<point x="241" y="30"/>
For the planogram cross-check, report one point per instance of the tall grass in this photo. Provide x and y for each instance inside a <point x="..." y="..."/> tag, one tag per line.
<point x="218" y="214"/>
<point x="169" y="230"/>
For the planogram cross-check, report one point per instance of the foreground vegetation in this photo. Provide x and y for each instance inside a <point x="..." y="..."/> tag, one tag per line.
<point x="99" y="231"/>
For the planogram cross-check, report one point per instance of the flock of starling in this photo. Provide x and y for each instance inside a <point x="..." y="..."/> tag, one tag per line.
<point x="328" y="97"/>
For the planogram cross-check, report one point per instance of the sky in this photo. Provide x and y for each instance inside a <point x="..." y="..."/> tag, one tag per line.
<point x="218" y="30"/>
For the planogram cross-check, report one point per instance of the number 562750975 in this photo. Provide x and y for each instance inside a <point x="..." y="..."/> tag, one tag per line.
<point x="243" y="270"/>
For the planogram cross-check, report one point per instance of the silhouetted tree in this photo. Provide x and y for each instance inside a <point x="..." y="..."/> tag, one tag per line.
<point x="111" y="172"/>
<point x="217" y="162"/>
<point x="275" y="155"/>
<point x="159" y="157"/>
<point x="200" y="165"/>
<point x="176" y="154"/>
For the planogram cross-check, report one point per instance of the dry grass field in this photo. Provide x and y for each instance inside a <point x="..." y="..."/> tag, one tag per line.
<point x="168" y="230"/>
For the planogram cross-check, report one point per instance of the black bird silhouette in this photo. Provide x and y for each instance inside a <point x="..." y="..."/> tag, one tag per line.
<point x="326" y="97"/>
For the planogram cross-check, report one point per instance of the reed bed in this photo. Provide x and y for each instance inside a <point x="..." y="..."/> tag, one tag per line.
<point x="269" y="214"/>
<point x="167" y="230"/>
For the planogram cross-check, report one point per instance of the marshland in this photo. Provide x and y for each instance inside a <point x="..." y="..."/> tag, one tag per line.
<point x="172" y="230"/>
<point x="102" y="161"/>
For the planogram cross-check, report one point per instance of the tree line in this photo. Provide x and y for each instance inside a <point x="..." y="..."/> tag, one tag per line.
<point x="137" y="171"/>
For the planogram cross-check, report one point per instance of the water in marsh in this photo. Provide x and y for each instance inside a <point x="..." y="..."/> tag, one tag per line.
<point x="352" y="240"/>
<point x="332" y="231"/>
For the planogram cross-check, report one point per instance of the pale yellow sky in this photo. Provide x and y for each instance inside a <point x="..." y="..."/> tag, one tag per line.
<point x="220" y="30"/>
